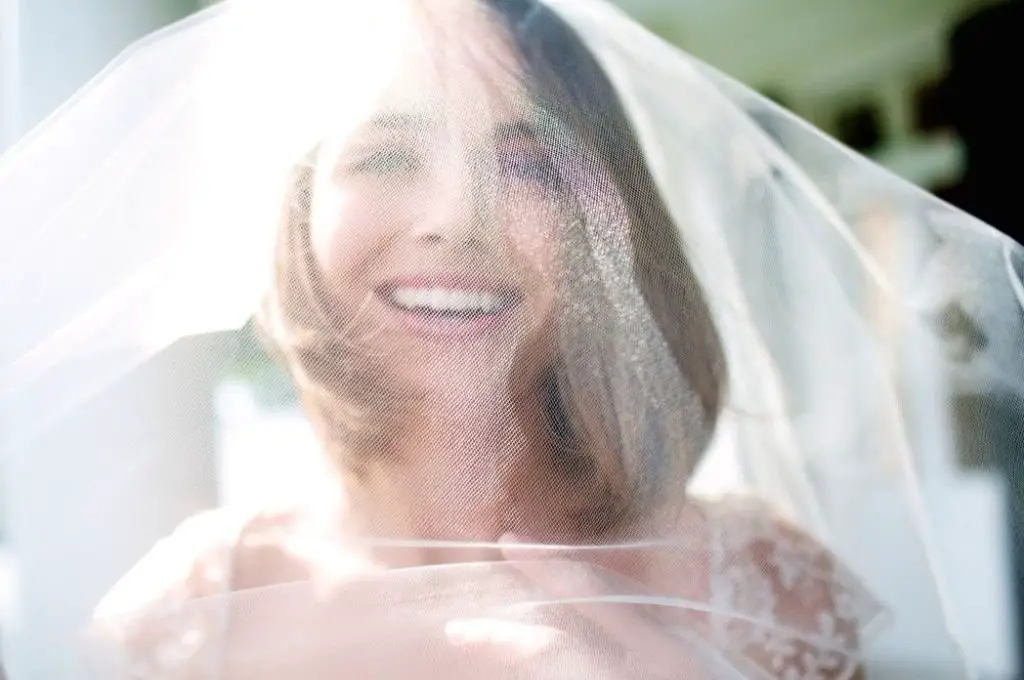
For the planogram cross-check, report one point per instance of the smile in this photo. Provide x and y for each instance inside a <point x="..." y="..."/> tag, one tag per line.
<point x="450" y="307"/>
<point x="449" y="302"/>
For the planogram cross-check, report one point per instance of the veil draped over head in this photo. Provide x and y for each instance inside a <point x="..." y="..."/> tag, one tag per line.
<point x="614" y="369"/>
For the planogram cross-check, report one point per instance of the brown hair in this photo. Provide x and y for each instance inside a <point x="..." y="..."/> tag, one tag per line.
<point x="623" y="428"/>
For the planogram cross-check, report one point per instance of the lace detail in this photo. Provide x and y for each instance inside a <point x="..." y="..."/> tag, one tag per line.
<point x="781" y="598"/>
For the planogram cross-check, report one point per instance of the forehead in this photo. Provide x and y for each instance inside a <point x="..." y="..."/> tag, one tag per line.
<point x="459" y="67"/>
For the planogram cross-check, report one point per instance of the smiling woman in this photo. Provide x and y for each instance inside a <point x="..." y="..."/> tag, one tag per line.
<point x="440" y="277"/>
<point x="534" y="276"/>
<point x="464" y="189"/>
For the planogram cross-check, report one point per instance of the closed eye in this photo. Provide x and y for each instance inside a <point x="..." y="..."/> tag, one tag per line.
<point x="529" y="165"/>
<point x="522" y="156"/>
<point x="389" y="161"/>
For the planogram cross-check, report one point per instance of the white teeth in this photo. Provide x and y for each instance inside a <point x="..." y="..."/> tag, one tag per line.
<point x="443" y="300"/>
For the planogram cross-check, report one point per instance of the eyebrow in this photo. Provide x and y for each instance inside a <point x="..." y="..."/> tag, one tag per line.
<point x="401" y="121"/>
<point x="396" y="120"/>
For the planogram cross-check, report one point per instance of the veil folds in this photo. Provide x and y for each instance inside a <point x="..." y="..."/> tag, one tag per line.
<point x="739" y="346"/>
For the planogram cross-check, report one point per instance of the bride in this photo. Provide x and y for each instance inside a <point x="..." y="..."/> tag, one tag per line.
<point x="522" y="334"/>
<point x="440" y="305"/>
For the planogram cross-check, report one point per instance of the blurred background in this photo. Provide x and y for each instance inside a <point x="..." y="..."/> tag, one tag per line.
<point x="925" y="87"/>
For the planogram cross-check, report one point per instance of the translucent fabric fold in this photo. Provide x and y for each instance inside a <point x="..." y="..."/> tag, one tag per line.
<point x="614" y="368"/>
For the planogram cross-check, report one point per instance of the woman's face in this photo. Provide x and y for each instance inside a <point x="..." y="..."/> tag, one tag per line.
<point x="435" y="222"/>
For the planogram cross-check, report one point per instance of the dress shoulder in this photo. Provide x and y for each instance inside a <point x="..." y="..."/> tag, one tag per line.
<point x="166" y="617"/>
<point x="783" y="597"/>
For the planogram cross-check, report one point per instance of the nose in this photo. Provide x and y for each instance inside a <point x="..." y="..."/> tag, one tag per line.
<point x="461" y="210"/>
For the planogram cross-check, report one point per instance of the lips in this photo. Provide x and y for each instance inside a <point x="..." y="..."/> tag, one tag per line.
<point x="447" y="301"/>
<point x="449" y="305"/>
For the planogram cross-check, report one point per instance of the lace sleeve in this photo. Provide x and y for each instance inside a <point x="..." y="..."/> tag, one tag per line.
<point x="784" y="600"/>
<point x="165" y="618"/>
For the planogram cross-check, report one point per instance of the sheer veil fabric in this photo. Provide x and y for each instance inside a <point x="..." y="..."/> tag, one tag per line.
<point x="617" y="369"/>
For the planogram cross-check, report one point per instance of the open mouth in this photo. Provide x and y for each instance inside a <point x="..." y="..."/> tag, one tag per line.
<point x="454" y="304"/>
<point x="448" y="310"/>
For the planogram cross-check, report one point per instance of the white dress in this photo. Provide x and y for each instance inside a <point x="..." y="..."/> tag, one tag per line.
<point x="795" y="614"/>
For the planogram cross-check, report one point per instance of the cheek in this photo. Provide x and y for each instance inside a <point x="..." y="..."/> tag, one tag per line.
<point x="533" y="233"/>
<point x="346" y="228"/>
<point x="532" y="230"/>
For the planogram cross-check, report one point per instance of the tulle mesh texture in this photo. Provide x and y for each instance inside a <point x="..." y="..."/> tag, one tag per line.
<point x="611" y="367"/>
